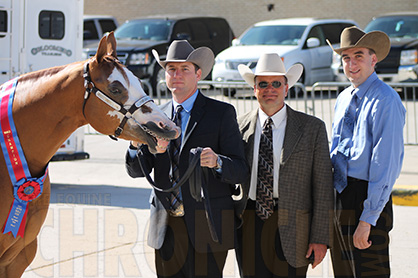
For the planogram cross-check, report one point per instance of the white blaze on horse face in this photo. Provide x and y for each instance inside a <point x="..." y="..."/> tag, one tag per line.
<point x="133" y="86"/>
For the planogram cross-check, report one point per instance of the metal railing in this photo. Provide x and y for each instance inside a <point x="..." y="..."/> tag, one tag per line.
<point x="318" y="100"/>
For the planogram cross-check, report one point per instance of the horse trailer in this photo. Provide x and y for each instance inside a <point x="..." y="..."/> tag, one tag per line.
<point x="39" y="34"/>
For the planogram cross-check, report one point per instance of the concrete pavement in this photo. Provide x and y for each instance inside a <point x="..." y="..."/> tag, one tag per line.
<point x="97" y="221"/>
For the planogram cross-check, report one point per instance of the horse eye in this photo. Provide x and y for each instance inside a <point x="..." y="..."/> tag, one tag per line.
<point x="115" y="91"/>
<point x="115" y="88"/>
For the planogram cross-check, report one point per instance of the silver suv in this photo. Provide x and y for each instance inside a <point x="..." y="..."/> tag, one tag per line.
<point x="296" y="40"/>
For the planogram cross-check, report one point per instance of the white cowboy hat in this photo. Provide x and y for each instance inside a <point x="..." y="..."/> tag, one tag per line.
<point x="353" y="37"/>
<point x="270" y="64"/>
<point x="182" y="51"/>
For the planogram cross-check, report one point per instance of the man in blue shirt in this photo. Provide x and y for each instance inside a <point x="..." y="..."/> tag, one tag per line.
<point x="367" y="153"/>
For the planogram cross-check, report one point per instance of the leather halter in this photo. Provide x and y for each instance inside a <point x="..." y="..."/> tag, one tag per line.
<point x="127" y="113"/>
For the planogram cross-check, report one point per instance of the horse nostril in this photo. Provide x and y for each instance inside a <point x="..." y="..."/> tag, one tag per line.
<point x="162" y="125"/>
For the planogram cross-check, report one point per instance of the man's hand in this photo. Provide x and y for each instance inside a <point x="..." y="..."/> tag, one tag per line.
<point x="208" y="158"/>
<point x="361" y="236"/>
<point x="320" y="250"/>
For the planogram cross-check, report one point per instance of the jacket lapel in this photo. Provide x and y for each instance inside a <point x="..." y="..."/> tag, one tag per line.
<point x="247" y="128"/>
<point x="195" y="116"/>
<point x="292" y="135"/>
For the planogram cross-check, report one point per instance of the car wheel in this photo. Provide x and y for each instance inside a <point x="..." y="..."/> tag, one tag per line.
<point x="228" y="92"/>
<point x="158" y="81"/>
<point x="297" y="92"/>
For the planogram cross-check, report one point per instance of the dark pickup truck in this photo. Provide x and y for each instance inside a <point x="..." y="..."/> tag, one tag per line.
<point x="402" y="62"/>
<point x="137" y="37"/>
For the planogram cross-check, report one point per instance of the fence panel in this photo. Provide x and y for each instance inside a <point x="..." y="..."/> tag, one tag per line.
<point x="318" y="100"/>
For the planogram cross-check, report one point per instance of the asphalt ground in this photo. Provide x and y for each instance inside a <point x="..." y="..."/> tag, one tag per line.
<point x="98" y="217"/>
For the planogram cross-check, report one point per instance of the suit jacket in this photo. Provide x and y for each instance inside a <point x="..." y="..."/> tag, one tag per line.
<point x="211" y="124"/>
<point x="305" y="183"/>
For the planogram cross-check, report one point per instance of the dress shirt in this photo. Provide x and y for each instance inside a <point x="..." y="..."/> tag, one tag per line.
<point x="377" y="152"/>
<point x="185" y="113"/>
<point x="278" y="128"/>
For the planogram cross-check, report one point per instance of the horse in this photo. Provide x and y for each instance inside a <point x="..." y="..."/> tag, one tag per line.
<point x="49" y="105"/>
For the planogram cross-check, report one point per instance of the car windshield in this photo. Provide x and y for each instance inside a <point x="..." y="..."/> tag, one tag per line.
<point x="395" y="26"/>
<point x="273" y="35"/>
<point x="155" y="30"/>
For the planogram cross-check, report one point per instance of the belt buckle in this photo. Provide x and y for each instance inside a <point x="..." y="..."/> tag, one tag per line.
<point x="178" y="212"/>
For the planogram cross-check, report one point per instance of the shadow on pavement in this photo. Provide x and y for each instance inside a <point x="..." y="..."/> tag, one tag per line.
<point x="100" y="195"/>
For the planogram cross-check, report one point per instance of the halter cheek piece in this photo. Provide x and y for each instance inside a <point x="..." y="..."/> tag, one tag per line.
<point x="127" y="113"/>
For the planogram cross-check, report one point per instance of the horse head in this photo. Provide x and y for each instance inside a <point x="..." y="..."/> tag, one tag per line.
<point x="122" y="101"/>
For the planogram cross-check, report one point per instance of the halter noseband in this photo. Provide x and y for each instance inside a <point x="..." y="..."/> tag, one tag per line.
<point x="127" y="113"/>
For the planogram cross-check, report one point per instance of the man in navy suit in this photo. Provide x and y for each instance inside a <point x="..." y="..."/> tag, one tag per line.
<point x="180" y="231"/>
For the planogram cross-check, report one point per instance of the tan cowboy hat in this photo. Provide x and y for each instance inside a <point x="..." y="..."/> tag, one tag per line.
<point x="270" y="64"/>
<point x="353" y="37"/>
<point x="182" y="51"/>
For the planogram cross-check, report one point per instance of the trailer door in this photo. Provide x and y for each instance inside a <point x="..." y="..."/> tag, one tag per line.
<point x="53" y="33"/>
<point x="9" y="38"/>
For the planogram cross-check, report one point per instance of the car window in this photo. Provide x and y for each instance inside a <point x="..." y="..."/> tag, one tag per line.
<point x="144" y="30"/>
<point x="333" y="31"/>
<point x="182" y="31"/>
<point x="90" y="31"/>
<point x="273" y="35"/>
<point x="395" y="26"/>
<point x="199" y="30"/>
<point x="316" y="32"/>
<point x="107" y="25"/>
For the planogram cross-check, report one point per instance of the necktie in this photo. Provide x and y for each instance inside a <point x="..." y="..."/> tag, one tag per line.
<point x="264" y="199"/>
<point x="176" y="204"/>
<point x="340" y="160"/>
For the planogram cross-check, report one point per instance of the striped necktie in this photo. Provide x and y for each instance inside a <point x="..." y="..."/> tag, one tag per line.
<point x="264" y="199"/>
<point x="176" y="203"/>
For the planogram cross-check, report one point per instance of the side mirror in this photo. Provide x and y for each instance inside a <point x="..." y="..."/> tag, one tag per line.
<point x="235" y="42"/>
<point x="313" y="42"/>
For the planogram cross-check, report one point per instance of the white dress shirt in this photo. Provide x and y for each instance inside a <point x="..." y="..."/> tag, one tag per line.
<point x="278" y="128"/>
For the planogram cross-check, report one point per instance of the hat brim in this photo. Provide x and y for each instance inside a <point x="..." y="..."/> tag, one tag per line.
<point x="203" y="57"/>
<point x="292" y="75"/>
<point x="378" y="41"/>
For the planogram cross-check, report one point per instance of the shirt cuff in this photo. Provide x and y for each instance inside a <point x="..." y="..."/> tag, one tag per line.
<point x="132" y="153"/>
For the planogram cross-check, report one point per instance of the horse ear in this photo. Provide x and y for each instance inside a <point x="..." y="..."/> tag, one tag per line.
<point x="107" y="46"/>
<point x="111" y="44"/>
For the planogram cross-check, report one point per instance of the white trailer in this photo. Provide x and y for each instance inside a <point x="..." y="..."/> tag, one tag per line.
<point x="38" y="34"/>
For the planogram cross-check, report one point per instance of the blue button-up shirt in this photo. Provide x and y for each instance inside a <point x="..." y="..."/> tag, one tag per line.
<point x="185" y="113"/>
<point x="377" y="152"/>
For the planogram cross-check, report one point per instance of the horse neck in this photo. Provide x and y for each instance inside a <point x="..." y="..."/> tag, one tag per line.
<point x="47" y="108"/>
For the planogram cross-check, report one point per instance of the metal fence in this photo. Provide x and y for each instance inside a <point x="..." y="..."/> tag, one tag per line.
<point x="318" y="100"/>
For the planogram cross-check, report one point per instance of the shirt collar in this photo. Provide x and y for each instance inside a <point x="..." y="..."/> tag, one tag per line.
<point x="276" y="118"/>
<point x="187" y="104"/>
<point x="364" y="87"/>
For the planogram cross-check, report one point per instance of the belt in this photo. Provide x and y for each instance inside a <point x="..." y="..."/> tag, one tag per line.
<point x="351" y="179"/>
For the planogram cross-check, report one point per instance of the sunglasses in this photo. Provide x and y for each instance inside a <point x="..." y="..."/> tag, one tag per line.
<point x="264" y="84"/>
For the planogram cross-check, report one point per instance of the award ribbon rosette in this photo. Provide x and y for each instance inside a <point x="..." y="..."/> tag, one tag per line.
<point x="25" y="188"/>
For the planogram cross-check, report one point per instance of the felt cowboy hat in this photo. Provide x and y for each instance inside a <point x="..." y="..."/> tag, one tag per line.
<point x="270" y="64"/>
<point x="182" y="51"/>
<point x="353" y="37"/>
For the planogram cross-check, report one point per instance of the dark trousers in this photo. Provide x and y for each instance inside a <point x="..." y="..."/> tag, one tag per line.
<point x="177" y="257"/>
<point x="259" y="250"/>
<point x="347" y="260"/>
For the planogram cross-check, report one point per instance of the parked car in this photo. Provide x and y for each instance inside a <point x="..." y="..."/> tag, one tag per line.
<point x="296" y="40"/>
<point x="136" y="38"/>
<point x="401" y="64"/>
<point x="95" y="26"/>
